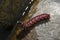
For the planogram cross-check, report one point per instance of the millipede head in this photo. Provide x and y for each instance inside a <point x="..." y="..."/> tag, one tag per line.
<point x="46" y="15"/>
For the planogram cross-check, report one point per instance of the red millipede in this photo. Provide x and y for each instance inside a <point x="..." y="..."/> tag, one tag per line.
<point x="36" y="19"/>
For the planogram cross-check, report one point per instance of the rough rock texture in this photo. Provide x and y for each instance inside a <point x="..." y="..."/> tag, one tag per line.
<point x="50" y="30"/>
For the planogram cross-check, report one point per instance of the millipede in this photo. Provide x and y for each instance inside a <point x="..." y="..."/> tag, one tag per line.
<point x="36" y="19"/>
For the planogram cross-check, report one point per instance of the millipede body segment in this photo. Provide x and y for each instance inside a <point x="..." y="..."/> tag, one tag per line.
<point x="36" y="19"/>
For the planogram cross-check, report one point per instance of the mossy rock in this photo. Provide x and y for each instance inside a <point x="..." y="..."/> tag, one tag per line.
<point x="11" y="11"/>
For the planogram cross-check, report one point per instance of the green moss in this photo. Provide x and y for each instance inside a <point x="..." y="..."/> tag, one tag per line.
<point x="6" y="3"/>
